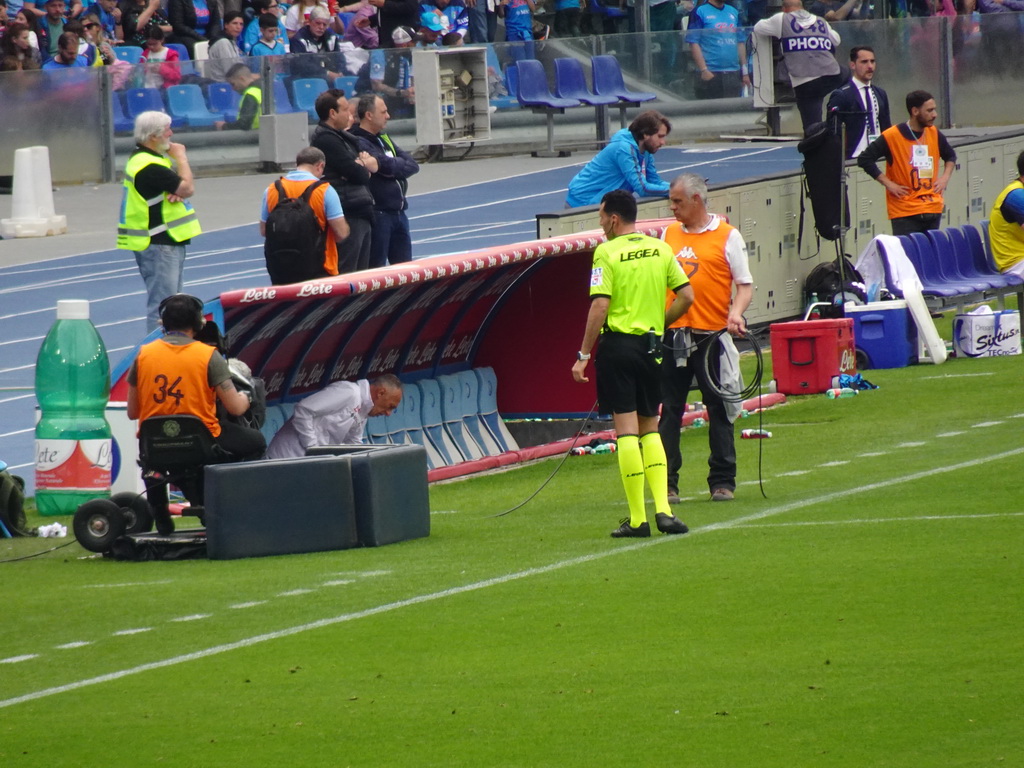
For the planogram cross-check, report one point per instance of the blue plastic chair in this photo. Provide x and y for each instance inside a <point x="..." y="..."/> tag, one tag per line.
<point x="305" y="92"/>
<point x="453" y="412"/>
<point x="488" y="409"/>
<point x="223" y="99"/>
<point x="924" y="264"/>
<point x="187" y="67"/>
<point x="607" y="78"/>
<point x="187" y="102"/>
<point x="532" y="91"/>
<point x="570" y="83"/>
<point x="122" y="123"/>
<point x="433" y="423"/>
<point x="470" y="385"/>
<point x="950" y="267"/>
<point x="139" y="100"/>
<point x="282" y="102"/>
<point x="130" y="53"/>
<point x="346" y="83"/>
<point x="978" y="255"/>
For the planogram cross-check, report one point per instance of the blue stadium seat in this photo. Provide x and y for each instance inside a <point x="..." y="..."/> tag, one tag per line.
<point x="570" y="83"/>
<point x="433" y="422"/>
<point x="924" y="264"/>
<point x="187" y="67"/>
<point x="187" y="102"/>
<point x="305" y="91"/>
<point x="453" y="411"/>
<point x="471" y="414"/>
<point x="282" y="103"/>
<point x="981" y="256"/>
<point x="139" y="100"/>
<point x="949" y="266"/>
<point x="346" y="83"/>
<point x="223" y="99"/>
<point x="410" y="415"/>
<point x="488" y="408"/>
<point x="130" y="53"/>
<point x="532" y="91"/>
<point x="607" y="78"/>
<point x="122" y="123"/>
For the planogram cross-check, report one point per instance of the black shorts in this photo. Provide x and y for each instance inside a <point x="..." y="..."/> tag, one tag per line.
<point x="627" y="375"/>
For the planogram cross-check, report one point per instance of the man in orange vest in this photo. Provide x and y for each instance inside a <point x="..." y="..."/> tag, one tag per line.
<point x="912" y="180"/>
<point x="177" y="375"/>
<point x="287" y="261"/>
<point x="713" y="255"/>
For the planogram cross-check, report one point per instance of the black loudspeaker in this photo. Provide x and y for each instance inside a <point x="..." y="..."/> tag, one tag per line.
<point x="390" y="487"/>
<point x="279" y="507"/>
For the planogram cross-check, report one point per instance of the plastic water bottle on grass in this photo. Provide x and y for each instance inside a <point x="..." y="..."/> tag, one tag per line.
<point x="73" y="446"/>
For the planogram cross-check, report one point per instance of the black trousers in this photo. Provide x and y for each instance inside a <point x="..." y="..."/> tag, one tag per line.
<point x="675" y="386"/>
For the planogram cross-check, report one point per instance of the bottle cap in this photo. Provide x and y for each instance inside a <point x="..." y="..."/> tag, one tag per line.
<point x="73" y="309"/>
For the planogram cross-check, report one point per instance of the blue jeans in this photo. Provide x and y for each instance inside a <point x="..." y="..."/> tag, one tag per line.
<point x="163" y="271"/>
<point x="392" y="242"/>
<point x="483" y="25"/>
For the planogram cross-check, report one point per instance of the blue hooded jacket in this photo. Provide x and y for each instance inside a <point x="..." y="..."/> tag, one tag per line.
<point x="620" y="165"/>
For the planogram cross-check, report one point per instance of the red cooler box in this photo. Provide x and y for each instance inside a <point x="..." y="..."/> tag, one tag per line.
<point x="807" y="355"/>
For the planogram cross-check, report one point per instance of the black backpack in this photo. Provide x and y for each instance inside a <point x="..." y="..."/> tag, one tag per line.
<point x="826" y="283"/>
<point x="12" y="505"/>
<point x="294" y="248"/>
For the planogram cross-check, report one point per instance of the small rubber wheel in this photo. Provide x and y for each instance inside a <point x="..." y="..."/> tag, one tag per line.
<point x="135" y="508"/>
<point x="97" y="524"/>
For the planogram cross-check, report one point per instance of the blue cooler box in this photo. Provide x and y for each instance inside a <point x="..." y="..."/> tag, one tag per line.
<point x="884" y="333"/>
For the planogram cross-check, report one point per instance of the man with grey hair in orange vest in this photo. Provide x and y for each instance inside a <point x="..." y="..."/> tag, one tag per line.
<point x="157" y="221"/>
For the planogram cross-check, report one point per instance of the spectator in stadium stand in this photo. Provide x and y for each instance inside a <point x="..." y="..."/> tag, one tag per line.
<point x="194" y="21"/>
<point x="842" y="10"/>
<point x="316" y="37"/>
<point x="324" y="200"/>
<point x="109" y="16"/>
<point x="808" y="49"/>
<point x="51" y="27"/>
<point x="567" y="17"/>
<point x="718" y="50"/>
<point x="348" y="170"/>
<point x="483" y="20"/>
<point x="456" y="15"/>
<point x="630" y="275"/>
<point x="252" y="29"/>
<point x="913" y="183"/>
<point x="31" y="22"/>
<point x="85" y="48"/>
<point x="225" y="53"/>
<point x="162" y="67"/>
<point x="96" y="36"/>
<point x="247" y="83"/>
<point x="268" y="44"/>
<point x="67" y="54"/>
<point x="392" y="241"/>
<point x="360" y="31"/>
<point x="392" y="14"/>
<point x="336" y="415"/>
<point x="137" y="16"/>
<point x="4" y="18"/>
<point x="390" y="72"/>
<point x="1006" y="225"/>
<point x="16" y="51"/>
<point x="297" y="15"/>
<point x="627" y="162"/>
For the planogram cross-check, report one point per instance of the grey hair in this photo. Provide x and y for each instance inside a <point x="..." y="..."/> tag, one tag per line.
<point x="319" y="12"/>
<point x="150" y="124"/>
<point x="692" y="183"/>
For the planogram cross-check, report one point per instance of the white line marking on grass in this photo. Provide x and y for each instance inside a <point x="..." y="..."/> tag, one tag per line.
<point x="126" y="584"/>
<point x="126" y="632"/>
<point x="872" y="454"/>
<point x="1016" y="416"/>
<point x="250" y="604"/>
<point x="983" y="424"/>
<point x="872" y="521"/>
<point x="445" y="512"/>
<point x="430" y="597"/>
<point x="955" y="433"/>
<point x="338" y="582"/>
<point x="836" y="463"/>
<point x="956" y="376"/>
<point x="74" y="644"/>
<point x="193" y="617"/>
<point x="294" y="592"/>
<point x="795" y="473"/>
<point x="912" y="444"/>
<point x="18" y="659"/>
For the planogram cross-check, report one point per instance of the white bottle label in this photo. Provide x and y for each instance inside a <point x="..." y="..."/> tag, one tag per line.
<point x="73" y="465"/>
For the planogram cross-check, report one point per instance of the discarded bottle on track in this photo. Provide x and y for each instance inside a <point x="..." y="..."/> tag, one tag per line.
<point x="73" y="446"/>
<point x="605" y="448"/>
<point x="580" y="450"/>
<point x="840" y="392"/>
<point x="755" y="434"/>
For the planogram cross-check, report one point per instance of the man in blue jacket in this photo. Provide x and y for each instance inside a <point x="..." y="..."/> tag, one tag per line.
<point x="391" y="241"/>
<point x="626" y="163"/>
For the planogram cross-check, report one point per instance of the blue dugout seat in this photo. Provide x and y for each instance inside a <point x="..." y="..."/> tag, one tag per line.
<point x="606" y="75"/>
<point x="533" y="92"/>
<point x="470" y="386"/>
<point x="187" y="102"/>
<point x="453" y="412"/>
<point x="488" y="409"/>
<point x="433" y="422"/>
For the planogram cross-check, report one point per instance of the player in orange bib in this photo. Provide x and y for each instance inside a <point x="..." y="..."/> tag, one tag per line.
<point x="713" y="255"/>
<point x="912" y="180"/>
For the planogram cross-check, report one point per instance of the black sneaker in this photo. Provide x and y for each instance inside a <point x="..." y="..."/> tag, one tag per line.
<point x="670" y="524"/>
<point x="626" y="531"/>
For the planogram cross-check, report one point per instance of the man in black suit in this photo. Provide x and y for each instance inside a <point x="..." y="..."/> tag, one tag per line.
<point x="862" y="107"/>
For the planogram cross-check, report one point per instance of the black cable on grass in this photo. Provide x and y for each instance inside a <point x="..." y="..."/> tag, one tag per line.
<point x="565" y="456"/>
<point x="754" y="388"/>
<point x="37" y="554"/>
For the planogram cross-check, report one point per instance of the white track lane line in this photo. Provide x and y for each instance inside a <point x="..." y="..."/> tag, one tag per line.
<point x="430" y="597"/>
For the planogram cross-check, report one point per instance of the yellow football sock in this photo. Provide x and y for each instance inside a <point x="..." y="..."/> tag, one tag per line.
<point x="631" y="468"/>
<point x="656" y="470"/>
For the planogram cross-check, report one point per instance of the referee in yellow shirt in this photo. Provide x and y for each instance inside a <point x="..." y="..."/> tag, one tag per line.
<point x="630" y="274"/>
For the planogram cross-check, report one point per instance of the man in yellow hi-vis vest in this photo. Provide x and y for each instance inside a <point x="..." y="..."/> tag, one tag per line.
<point x="157" y="221"/>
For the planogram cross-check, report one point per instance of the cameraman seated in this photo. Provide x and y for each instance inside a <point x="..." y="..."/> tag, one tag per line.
<point x="177" y="375"/>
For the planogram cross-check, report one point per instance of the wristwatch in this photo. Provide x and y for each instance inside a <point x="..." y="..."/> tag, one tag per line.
<point x="581" y="356"/>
